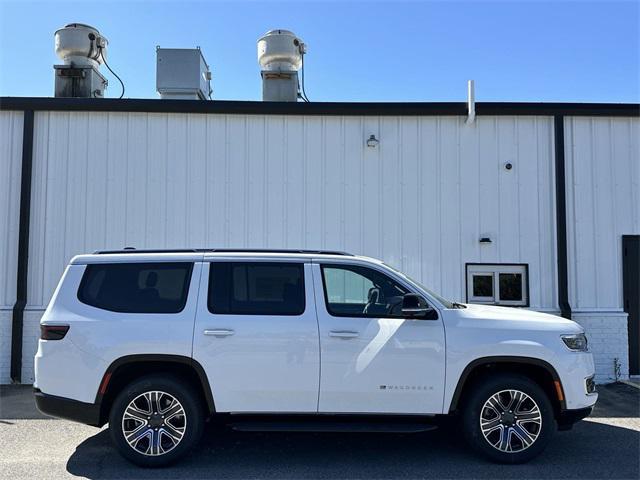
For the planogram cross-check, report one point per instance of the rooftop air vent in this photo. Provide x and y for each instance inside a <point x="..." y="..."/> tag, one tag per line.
<point x="280" y="54"/>
<point x="82" y="49"/>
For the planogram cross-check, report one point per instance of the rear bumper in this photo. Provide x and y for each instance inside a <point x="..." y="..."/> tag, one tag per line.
<point x="87" y="413"/>
<point x="567" y="418"/>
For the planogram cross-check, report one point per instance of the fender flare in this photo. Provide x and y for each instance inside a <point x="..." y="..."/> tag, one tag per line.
<point x="167" y="358"/>
<point x="503" y="359"/>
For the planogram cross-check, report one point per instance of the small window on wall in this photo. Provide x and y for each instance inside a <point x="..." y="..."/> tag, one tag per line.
<point x="498" y="284"/>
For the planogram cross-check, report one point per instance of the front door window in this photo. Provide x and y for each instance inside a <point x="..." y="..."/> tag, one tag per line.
<point x="355" y="291"/>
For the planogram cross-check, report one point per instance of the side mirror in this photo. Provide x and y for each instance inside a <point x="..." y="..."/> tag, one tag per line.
<point x="414" y="306"/>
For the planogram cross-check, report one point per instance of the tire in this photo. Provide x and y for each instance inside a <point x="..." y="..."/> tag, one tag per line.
<point x="508" y="437"/>
<point x="162" y="440"/>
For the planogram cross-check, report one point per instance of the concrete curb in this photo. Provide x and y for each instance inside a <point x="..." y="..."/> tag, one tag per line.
<point x="634" y="382"/>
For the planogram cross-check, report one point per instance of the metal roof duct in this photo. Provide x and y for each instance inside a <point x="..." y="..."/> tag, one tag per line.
<point x="280" y="56"/>
<point x="82" y="49"/>
<point x="182" y="74"/>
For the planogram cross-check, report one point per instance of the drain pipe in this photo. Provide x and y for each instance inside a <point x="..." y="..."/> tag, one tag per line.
<point x="17" y="321"/>
<point x="471" y="103"/>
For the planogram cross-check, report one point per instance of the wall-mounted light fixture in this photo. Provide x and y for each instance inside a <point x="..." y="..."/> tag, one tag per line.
<point x="485" y="240"/>
<point x="372" y="141"/>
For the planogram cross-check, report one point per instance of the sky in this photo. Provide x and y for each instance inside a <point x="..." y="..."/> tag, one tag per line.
<point x="560" y="51"/>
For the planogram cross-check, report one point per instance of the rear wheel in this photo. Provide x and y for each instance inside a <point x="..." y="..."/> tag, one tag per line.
<point x="156" y="420"/>
<point x="508" y="418"/>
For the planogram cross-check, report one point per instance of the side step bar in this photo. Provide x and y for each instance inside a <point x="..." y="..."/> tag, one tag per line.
<point x="327" y="423"/>
<point x="332" y="427"/>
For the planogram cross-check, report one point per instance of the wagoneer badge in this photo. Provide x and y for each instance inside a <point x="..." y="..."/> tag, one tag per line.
<point x="405" y="387"/>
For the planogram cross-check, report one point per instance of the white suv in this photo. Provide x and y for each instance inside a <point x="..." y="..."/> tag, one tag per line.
<point x="156" y="342"/>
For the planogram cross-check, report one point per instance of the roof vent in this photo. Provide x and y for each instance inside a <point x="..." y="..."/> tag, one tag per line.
<point x="280" y="54"/>
<point x="82" y="49"/>
<point x="182" y="74"/>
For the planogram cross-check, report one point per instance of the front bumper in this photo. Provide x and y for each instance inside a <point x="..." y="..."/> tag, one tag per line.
<point x="87" y="413"/>
<point x="566" y="418"/>
<point x="575" y="369"/>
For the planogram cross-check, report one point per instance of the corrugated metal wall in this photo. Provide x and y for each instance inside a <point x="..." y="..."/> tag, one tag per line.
<point x="420" y="200"/>
<point x="603" y="199"/>
<point x="10" y="168"/>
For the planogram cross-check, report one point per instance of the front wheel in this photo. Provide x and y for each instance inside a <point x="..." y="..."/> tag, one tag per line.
<point x="508" y="418"/>
<point x="156" y="420"/>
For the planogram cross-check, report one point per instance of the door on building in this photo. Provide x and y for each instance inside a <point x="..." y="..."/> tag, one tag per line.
<point x="631" y="296"/>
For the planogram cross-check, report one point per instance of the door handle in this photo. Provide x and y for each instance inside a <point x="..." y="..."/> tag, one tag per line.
<point x="343" y="334"/>
<point x="220" y="332"/>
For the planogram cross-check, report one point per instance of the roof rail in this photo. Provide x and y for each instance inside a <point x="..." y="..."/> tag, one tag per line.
<point x="223" y="250"/>
<point x="153" y="250"/>
<point x="275" y="250"/>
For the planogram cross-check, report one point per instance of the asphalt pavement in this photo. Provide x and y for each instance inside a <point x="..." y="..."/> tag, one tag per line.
<point x="607" y="445"/>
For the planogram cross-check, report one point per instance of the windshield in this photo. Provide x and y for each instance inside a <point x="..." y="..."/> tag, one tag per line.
<point x="446" y="303"/>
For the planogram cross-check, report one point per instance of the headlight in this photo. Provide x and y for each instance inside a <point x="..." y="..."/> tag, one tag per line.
<point x="576" y="342"/>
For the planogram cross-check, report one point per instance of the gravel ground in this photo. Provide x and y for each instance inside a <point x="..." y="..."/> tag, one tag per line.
<point x="607" y="445"/>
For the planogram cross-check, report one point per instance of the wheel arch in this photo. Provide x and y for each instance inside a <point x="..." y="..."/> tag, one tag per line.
<point x="537" y="369"/>
<point x="126" y="369"/>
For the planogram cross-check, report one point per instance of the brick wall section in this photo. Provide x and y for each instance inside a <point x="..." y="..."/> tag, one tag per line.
<point x="31" y="333"/>
<point x="608" y="340"/>
<point x="5" y="346"/>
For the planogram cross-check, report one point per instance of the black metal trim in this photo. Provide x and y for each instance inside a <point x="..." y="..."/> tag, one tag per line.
<point x="150" y="250"/>
<point x="130" y="359"/>
<point x="281" y="250"/>
<point x="318" y="108"/>
<point x="630" y="297"/>
<point x="225" y="250"/>
<point x="562" y="257"/>
<point x="17" y="321"/>
<point x="501" y="359"/>
<point x="526" y="273"/>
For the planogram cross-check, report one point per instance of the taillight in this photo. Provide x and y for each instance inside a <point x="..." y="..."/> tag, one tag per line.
<point x="53" y="332"/>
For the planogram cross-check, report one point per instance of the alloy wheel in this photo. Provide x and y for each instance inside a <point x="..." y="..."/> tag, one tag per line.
<point x="510" y="421"/>
<point x="154" y="423"/>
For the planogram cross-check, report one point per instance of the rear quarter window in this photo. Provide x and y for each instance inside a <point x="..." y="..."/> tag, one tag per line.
<point x="136" y="287"/>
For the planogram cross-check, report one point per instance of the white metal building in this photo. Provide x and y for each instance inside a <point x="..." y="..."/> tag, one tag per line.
<point x="543" y="193"/>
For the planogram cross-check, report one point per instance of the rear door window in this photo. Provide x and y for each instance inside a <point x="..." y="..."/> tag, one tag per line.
<point x="136" y="287"/>
<point x="256" y="288"/>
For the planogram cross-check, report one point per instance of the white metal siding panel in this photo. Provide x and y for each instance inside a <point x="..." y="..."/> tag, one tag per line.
<point x="420" y="200"/>
<point x="603" y="199"/>
<point x="10" y="168"/>
<point x="10" y="173"/>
